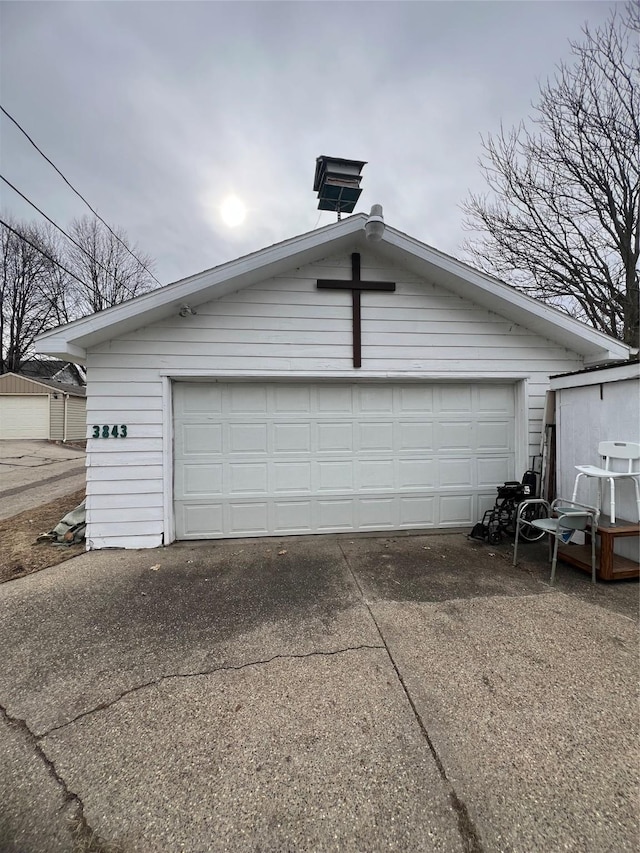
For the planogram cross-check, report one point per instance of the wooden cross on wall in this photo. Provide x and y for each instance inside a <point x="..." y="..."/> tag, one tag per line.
<point x="356" y="286"/>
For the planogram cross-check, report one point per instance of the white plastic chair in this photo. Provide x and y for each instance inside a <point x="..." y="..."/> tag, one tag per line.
<point x="563" y="519"/>
<point x="612" y="451"/>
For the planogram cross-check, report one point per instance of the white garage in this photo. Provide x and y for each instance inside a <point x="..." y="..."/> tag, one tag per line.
<point x="322" y="384"/>
<point x="280" y="458"/>
<point x="41" y="409"/>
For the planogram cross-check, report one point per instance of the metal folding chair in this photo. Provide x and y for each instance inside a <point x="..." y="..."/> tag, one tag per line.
<point x="563" y="519"/>
<point x="628" y="451"/>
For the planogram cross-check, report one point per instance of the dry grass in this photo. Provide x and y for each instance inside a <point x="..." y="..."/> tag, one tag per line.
<point x="20" y="554"/>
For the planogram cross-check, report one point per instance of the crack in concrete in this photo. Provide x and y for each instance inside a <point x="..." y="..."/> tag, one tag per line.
<point x="225" y="668"/>
<point x="84" y="836"/>
<point x="468" y="833"/>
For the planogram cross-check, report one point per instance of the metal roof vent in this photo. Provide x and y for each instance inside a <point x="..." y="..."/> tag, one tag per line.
<point x="337" y="183"/>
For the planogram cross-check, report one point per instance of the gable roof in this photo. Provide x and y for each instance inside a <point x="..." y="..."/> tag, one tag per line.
<point x="50" y="384"/>
<point x="50" y="368"/>
<point x="72" y="340"/>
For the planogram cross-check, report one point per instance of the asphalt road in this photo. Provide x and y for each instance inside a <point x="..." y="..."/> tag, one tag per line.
<point x="33" y="473"/>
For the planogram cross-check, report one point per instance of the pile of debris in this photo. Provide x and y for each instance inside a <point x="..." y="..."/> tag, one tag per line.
<point x="70" y="530"/>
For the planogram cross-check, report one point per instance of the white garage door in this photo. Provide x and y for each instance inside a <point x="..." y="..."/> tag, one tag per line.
<point x="24" y="416"/>
<point x="273" y="459"/>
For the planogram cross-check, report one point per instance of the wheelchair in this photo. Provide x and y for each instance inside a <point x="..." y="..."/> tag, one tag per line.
<point x="503" y="517"/>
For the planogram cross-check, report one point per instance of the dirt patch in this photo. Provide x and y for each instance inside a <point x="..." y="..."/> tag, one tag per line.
<point x="20" y="554"/>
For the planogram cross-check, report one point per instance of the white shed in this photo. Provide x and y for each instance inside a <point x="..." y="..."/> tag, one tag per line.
<point x="323" y="384"/>
<point x="593" y="405"/>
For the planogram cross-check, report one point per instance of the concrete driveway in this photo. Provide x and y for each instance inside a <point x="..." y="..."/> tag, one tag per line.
<point x="35" y="472"/>
<point x="319" y="693"/>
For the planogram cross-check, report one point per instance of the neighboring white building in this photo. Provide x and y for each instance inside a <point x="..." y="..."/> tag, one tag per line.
<point x="245" y="413"/>
<point x="594" y="405"/>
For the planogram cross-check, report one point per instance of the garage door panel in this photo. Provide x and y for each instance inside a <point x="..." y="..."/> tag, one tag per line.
<point x="292" y="516"/>
<point x="376" y="436"/>
<point x="247" y="399"/>
<point x="248" y="519"/>
<point x="335" y="437"/>
<point x="291" y="438"/>
<point x="455" y="435"/>
<point x="415" y="400"/>
<point x="294" y="400"/>
<point x="208" y="400"/>
<point x="200" y="439"/>
<point x="417" y="512"/>
<point x="416" y="474"/>
<point x="456" y="509"/>
<point x="456" y="398"/>
<point x="335" y="515"/>
<point x="415" y="435"/>
<point x="334" y="400"/>
<point x="375" y="399"/>
<point x="335" y="476"/>
<point x="247" y="477"/>
<point x="494" y="470"/>
<point x="267" y="459"/>
<point x="457" y="472"/>
<point x="291" y="477"/>
<point x="198" y="480"/>
<point x="248" y="438"/>
<point x="494" y="435"/>
<point x="495" y="398"/>
<point x="378" y="474"/>
<point x="378" y="513"/>
<point x="201" y="520"/>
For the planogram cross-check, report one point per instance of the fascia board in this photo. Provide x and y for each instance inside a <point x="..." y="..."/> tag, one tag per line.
<point x="501" y="298"/>
<point x="598" y="377"/>
<point x="72" y="340"/>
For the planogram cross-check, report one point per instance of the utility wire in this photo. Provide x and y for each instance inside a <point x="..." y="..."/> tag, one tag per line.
<point x="42" y="252"/>
<point x="68" y="236"/>
<point x="80" y="196"/>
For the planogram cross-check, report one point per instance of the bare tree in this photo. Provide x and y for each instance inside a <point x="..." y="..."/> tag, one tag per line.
<point x="109" y="272"/>
<point x="562" y="219"/>
<point x="28" y="304"/>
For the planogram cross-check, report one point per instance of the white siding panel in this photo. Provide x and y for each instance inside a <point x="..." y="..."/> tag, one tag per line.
<point x="128" y="499"/>
<point x="137" y="485"/>
<point x="144" y="474"/>
<point x="287" y="327"/>
<point x="586" y="416"/>
<point x="113" y="540"/>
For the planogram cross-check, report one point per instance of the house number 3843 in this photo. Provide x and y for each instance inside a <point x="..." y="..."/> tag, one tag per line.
<point x="108" y="431"/>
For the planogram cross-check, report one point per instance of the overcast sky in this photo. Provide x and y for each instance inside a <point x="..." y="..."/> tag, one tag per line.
<point x="158" y="111"/>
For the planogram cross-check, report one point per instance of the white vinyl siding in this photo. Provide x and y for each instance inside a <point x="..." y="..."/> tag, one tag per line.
<point x="287" y="328"/>
<point x="24" y="416"/>
<point x="585" y="416"/>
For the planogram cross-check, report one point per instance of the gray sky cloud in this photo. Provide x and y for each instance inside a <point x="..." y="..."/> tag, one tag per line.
<point x="156" y="111"/>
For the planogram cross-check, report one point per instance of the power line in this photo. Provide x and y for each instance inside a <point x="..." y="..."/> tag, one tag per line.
<point x="42" y="252"/>
<point x="80" y="196"/>
<point x="68" y="236"/>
